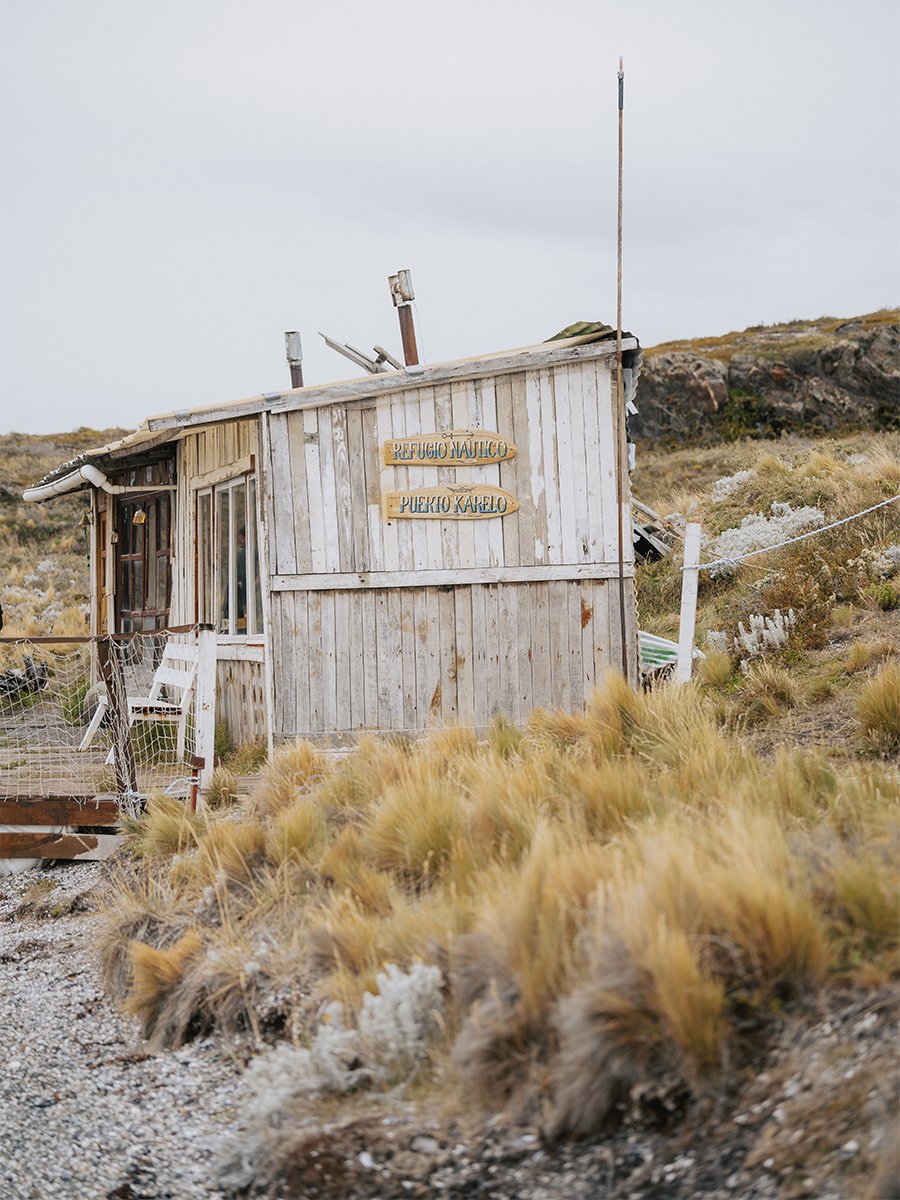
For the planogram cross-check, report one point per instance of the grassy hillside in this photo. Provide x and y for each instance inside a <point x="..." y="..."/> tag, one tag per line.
<point x="779" y="340"/>
<point x="668" y="926"/>
<point x="44" y="581"/>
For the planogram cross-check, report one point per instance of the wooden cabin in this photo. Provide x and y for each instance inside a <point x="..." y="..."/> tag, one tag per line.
<point x="427" y="546"/>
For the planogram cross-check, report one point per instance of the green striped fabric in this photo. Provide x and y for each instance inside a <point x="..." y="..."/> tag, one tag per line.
<point x="656" y="651"/>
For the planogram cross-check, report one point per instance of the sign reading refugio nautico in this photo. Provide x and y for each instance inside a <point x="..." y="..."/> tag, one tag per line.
<point x="457" y="502"/>
<point x="458" y="447"/>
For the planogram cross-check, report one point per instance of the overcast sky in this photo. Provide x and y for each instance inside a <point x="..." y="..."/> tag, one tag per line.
<point x="183" y="180"/>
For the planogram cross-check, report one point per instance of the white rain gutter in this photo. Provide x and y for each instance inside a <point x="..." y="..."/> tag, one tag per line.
<point x="87" y="474"/>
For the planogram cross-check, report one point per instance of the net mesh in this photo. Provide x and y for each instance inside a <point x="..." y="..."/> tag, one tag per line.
<point x="98" y="717"/>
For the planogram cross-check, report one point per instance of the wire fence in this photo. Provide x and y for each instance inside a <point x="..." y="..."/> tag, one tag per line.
<point x="87" y="718"/>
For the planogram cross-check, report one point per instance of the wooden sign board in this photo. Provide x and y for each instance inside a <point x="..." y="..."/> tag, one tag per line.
<point x="459" y="502"/>
<point x="457" y="448"/>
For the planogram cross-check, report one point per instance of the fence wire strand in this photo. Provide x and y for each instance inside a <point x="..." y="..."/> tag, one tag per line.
<point x="60" y="734"/>
<point x="800" y="537"/>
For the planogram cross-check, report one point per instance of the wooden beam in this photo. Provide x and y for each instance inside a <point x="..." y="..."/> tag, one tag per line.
<point x="91" y="847"/>
<point x="339" y="581"/>
<point x="59" y="810"/>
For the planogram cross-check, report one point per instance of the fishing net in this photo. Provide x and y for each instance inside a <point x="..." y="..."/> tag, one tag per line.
<point x="98" y="717"/>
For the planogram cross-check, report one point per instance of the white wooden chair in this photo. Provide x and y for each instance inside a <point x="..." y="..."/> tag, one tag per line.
<point x="177" y="672"/>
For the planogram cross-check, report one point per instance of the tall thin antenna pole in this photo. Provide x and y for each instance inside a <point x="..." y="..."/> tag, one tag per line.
<point x="620" y="393"/>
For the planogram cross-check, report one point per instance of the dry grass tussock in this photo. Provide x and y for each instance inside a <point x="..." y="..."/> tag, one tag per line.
<point x="606" y="895"/>
<point x="878" y="708"/>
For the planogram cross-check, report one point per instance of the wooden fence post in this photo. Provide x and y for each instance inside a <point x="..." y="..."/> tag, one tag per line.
<point x="205" y="716"/>
<point x="117" y="698"/>
<point x="689" y="580"/>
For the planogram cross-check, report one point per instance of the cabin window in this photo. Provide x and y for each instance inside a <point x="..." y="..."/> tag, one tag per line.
<point x="229" y="591"/>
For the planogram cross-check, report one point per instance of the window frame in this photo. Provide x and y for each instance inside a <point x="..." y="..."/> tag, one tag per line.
<point x="208" y="565"/>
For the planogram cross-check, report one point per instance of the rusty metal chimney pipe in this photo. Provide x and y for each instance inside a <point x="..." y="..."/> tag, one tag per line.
<point x="403" y="295"/>
<point x="295" y="358"/>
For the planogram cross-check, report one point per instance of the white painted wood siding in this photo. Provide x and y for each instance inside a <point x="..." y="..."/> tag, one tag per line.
<point x="527" y="611"/>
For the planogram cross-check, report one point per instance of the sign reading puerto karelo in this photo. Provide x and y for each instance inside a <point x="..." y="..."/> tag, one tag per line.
<point x="458" y="502"/>
<point x="458" y="447"/>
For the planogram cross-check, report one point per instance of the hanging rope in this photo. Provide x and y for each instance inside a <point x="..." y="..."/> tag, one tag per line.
<point x="728" y="562"/>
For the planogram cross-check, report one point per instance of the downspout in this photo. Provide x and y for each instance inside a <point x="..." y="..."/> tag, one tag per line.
<point x="87" y="474"/>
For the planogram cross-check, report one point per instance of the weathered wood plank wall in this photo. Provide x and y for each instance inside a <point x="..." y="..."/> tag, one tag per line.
<point x="405" y="624"/>
<point x="214" y="455"/>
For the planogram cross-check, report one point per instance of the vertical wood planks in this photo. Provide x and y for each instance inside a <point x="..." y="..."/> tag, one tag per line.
<point x="607" y="468"/>
<point x="315" y="517"/>
<point x="282" y="495"/>
<point x="443" y="414"/>
<point x="329" y="491"/>
<point x="389" y="534"/>
<point x="411" y="657"/>
<point x="462" y="395"/>
<point x="566" y="469"/>
<point x="368" y="651"/>
<point x="358" y="498"/>
<point x="342" y="492"/>
<point x="465" y="674"/>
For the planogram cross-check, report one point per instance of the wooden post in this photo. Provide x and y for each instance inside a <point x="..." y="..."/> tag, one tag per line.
<point x="689" y="579"/>
<point x="205" y="705"/>
<point x="268" y="567"/>
<point x="117" y="698"/>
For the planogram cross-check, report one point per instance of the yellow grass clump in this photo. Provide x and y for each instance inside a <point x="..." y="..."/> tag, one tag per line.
<point x="167" y="827"/>
<point x="606" y="895"/>
<point x="291" y="772"/>
<point x="878" y="708"/>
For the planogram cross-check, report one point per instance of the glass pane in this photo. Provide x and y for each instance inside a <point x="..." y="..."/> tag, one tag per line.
<point x="150" y="542"/>
<point x="223" y="566"/>
<point x="162" y="523"/>
<point x="161" y="599"/>
<point x="253" y="529"/>
<point x="239" y="500"/>
<point x="126" y="599"/>
<point x="204" y="559"/>
<point x="126" y="512"/>
<point x="137" y="594"/>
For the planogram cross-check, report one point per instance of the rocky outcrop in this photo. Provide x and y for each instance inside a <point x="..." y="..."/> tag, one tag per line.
<point x="806" y="376"/>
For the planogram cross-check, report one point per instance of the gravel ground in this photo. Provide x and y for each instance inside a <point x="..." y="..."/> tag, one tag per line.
<point x="85" y="1113"/>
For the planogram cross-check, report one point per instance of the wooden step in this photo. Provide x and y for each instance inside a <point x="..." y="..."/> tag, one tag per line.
<point x="91" y="847"/>
<point x="59" y="810"/>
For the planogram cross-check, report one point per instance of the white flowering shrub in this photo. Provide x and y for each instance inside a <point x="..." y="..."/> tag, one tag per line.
<point x="332" y="1063"/>
<point x="394" y="1024"/>
<point x="757" y="532"/>
<point x="393" y="1027"/>
<point x="875" y="563"/>
<point x="729" y="484"/>
<point x="763" y="634"/>
<point x="717" y="641"/>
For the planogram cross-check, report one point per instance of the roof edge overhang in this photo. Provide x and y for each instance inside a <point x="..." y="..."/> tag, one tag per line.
<point x="170" y="427"/>
<point x="547" y="354"/>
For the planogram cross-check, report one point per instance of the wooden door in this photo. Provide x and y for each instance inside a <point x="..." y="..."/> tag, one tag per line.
<point x="143" y="562"/>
